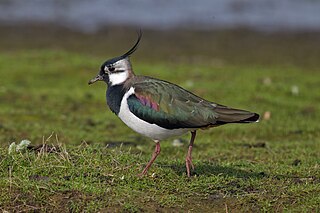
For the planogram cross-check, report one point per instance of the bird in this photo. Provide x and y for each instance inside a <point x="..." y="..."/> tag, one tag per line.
<point x="158" y="109"/>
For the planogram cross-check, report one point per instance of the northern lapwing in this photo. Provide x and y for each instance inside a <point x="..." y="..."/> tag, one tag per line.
<point x="159" y="109"/>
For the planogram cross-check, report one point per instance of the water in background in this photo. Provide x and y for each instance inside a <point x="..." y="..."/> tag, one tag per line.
<point x="91" y="15"/>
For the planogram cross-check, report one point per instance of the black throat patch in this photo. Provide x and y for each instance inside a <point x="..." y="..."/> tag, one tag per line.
<point x="114" y="97"/>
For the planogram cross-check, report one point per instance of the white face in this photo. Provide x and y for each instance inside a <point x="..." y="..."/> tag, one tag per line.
<point x="118" y="72"/>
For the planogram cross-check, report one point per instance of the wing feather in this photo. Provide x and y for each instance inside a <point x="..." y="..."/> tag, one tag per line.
<point x="170" y="106"/>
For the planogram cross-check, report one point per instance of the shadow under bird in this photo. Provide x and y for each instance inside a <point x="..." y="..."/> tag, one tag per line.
<point x="159" y="109"/>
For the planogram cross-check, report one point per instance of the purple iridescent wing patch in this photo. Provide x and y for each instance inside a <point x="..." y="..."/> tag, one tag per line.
<point x="147" y="101"/>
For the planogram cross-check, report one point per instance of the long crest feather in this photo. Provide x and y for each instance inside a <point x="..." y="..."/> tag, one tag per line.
<point x="134" y="48"/>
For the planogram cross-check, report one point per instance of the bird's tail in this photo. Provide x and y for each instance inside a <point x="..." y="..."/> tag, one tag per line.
<point x="230" y="115"/>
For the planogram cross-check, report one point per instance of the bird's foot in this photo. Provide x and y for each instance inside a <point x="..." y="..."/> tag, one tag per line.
<point x="188" y="164"/>
<point x="153" y="158"/>
<point x="140" y="175"/>
<point x="143" y="173"/>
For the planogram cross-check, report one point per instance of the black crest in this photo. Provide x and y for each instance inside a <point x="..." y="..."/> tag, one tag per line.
<point x="134" y="48"/>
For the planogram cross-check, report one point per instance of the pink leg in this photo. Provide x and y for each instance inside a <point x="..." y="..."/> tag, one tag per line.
<point x="153" y="158"/>
<point x="188" y="158"/>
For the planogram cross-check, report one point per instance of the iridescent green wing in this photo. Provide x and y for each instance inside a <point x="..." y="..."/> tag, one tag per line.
<point x="170" y="106"/>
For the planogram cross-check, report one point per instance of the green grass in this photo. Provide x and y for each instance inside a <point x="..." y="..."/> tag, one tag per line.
<point x="270" y="166"/>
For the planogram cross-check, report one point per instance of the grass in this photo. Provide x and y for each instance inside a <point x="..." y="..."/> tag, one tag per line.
<point x="92" y="159"/>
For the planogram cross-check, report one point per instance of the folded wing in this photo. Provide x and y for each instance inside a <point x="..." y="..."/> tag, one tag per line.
<point x="171" y="107"/>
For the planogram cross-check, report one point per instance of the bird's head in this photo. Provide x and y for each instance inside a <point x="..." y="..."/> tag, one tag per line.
<point x="117" y="70"/>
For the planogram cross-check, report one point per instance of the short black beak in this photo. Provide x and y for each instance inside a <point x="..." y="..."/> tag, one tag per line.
<point x="95" y="79"/>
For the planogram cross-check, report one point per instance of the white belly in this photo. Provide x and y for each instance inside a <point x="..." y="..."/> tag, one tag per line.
<point x="142" y="127"/>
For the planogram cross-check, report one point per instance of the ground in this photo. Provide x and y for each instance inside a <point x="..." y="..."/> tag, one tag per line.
<point x="90" y="160"/>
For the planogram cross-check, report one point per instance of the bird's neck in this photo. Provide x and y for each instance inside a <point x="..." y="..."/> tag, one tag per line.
<point x="114" y="97"/>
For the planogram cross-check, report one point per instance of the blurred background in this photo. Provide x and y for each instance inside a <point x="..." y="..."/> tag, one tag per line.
<point x="263" y="53"/>
<point x="93" y="15"/>
<point x="215" y="28"/>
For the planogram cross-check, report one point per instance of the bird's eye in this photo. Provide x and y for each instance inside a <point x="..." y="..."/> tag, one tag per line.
<point x="111" y="69"/>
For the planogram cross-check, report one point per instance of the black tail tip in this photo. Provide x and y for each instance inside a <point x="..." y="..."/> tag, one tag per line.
<point x="254" y="118"/>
